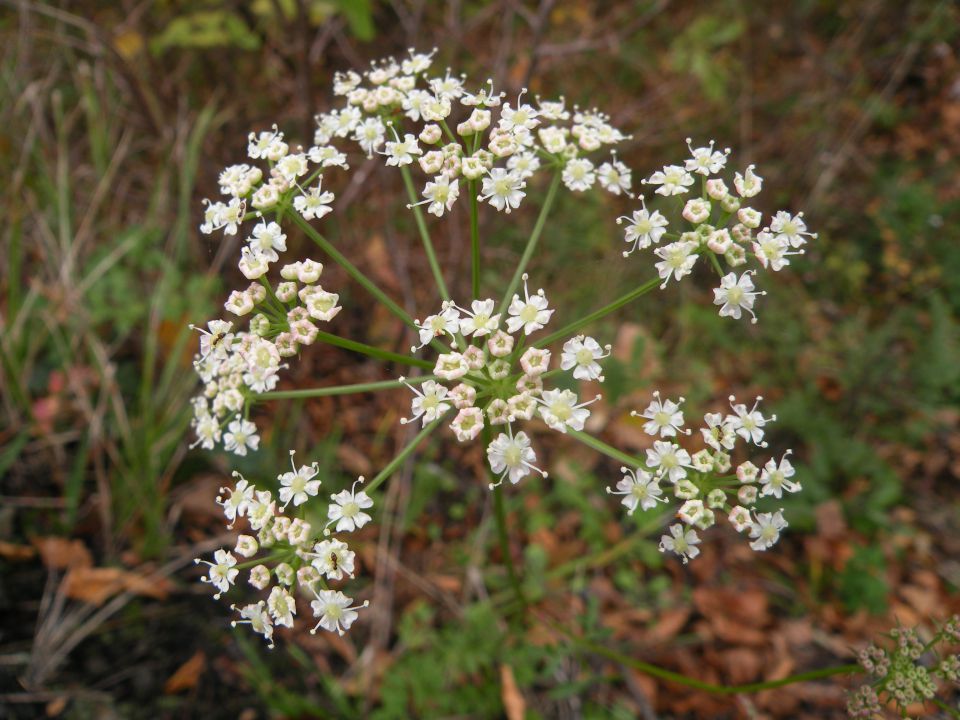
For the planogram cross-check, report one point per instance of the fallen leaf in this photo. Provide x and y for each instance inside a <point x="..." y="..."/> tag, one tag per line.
<point x="514" y="705"/>
<point x="93" y="585"/>
<point x="59" y="553"/>
<point x="187" y="675"/>
<point x="9" y="551"/>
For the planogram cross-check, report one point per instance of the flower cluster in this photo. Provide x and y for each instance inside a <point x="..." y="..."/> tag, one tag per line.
<point x="286" y="554"/>
<point x="717" y="225"/>
<point x="495" y="381"/>
<point x="396" y="110"/>
<point x="236" y="366"/>
<point x="702" y="480"/>
<point x="909" y="672"/>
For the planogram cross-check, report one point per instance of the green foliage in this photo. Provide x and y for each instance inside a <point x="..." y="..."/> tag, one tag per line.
<point x="215" y="26"/>
<point x="861" y="583"/>
<point x="699" y="50"/>
<point x="205" y="29"/>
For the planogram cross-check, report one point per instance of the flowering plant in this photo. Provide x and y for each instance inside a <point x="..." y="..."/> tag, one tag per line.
<point x="491" y="371"/>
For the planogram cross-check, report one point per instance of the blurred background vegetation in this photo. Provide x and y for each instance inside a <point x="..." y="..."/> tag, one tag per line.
<point x="115" y="119"/>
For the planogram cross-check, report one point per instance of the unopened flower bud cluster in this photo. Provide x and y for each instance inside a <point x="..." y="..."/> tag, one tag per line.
<point x="909" y="672"/>
<point x="705" y="482"/>
<point x="287" y="554"/>
<point x="715" y="224"/>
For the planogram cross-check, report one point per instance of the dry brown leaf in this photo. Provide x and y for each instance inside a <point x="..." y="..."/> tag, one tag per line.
<point x="187" y="675"/>
<point x="9" y="551"/>
<point x="93" y="585"/>
<point x="514" y="705"/>
<point x="56" y="706"/>
<point x="60" y="553"/>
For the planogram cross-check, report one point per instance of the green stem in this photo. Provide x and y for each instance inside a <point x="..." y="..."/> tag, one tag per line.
<point x="341" y="389"/>
<point x="352" y="270"/>
<point x="663" y="674"/>
<point x="424" y="233"/>
<point x="372" y="351"/>
<point x="501" y="515"/>
<point x="569" y="330"/>
<point x="608" y="450"/>
<point x="392" y="466"/>
<point x="531" y="243"/>
<point x="474" y="238"/>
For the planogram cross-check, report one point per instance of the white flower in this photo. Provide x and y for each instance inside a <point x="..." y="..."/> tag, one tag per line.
<point x="467" y="424"/>
<point x="347" y="509"/>
<point x="614" y="177"/>
<point x="736" y="294"/>
<point x="327" y="156"/>
<point x="261" y="509"/>
<point x="369" y="135"/>
<point x="531" y="313"/>
<point x="791" y="228"/>
<point x="217" y="334"/>
<point x="719" y="434"/>
<point x="292" y="166"/>
<point x="401" y="152"/>
<point x="451" y="366"/>
<point x="267" y="240"/>
<point x="669" y="460"/>
<point x="480" y="319"/>
<point x="333" y="609"/>
<point x="578" y="174"/>
<point x="282" y="606"/>
<point x="581" y="354"/>
<point x="766" y="530"/>
<point x="265" y="145"/>
<point x="299" y="484"/>
<point x="664" y="417"/>
<point x="246" y="546"/>
<point x="706" y="160"/>
<point x="503" y="189"/>
<point x="257" y="617"/>
<point x="511" y="456"/>
<point x="681" y="541"/>
<point x="673" y="180"/>
<point x="524" y="164"/>
<point x="429" y="404"/>
<point x="774" y="478"/>
<point x="678" y="259"/>
<point x="315" y="204"/>
<point x="740" y="518"/>
<point x="644" y="228"/>
<point x="535" y="361"/>
<point x="748" y="424"/>
<point x="222" y="572"/>
<point x="236" y="504"/>
<point x="500" y="344"/>
<point x="240" y="435"/>
<point x="559" y="409"/>
<point x="639" y="489"/>
<point x="524" y="116"/>
<point x="223" y="216"/>
<point x="441" y="194"/>
<point x="696" y="211"/>
<point x="445" y="322"/>
<point x="333" y="559"/>
<point x="749" y="184"/>
<point x="772" y="250"/>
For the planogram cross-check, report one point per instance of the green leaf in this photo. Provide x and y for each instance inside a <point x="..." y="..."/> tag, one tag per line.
<point x="206" y="29"/>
